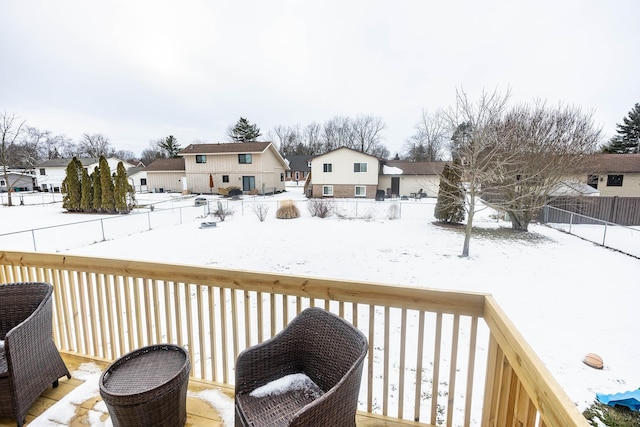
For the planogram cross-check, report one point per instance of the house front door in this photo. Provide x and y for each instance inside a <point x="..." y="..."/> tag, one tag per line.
<point x="248" y="183"/>
<point x="395" y="185"/>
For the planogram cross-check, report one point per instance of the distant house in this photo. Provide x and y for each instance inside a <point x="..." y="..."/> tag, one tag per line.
<point x="404" y="178"/>
<point x="614" y="174"/>
<point x="166" y="175"/>
<point x="137" y="177"/>
<point x="18" y="181"/>
<point x="52" y="172"/>
<point x="344" y="172"/>
<point x="300" y="167"/>
<point x="254" y="167"/>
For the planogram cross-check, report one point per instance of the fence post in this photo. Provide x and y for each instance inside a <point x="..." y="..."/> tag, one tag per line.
<point x="102" y="226"/>
<point x="149" y="219"/>
<point x="33" y="237"/>
<point x="570" y="222"/>
<point x="604" y="237"/>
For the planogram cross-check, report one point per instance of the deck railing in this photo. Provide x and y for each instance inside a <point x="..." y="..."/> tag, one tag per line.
<point x="435" y="357"/>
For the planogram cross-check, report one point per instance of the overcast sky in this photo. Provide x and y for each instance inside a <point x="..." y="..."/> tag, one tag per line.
<point x="137" y="71"/>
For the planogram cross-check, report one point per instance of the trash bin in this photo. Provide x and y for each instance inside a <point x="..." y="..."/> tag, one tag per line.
<point x="380" y="195"/>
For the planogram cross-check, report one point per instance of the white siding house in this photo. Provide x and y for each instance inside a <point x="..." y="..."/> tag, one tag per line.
<point x="52" y="172"/>
<point x="344" y="173"/>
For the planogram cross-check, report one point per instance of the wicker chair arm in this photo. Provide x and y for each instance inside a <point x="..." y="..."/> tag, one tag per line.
<point x="265" y="362"/>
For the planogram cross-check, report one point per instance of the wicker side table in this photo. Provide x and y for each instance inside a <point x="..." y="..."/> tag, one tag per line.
<point x="147" y="387"/>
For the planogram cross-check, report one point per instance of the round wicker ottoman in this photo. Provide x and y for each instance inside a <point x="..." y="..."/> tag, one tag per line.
<point x="147" y="387"/>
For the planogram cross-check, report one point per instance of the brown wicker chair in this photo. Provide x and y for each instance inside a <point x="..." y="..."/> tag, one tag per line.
<point x="29" y="361"/>
<point x="325" y="347"/>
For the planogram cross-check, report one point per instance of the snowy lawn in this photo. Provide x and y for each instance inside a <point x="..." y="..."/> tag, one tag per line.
<point x="567" y="297"/>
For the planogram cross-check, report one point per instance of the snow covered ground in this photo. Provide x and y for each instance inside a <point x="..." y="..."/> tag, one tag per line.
<point x="568" y="297"/>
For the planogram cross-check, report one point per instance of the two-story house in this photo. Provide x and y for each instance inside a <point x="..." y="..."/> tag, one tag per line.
<point x="254" y="167"/>
<point x="52" y="172"/>
<point x="344" y="172"/>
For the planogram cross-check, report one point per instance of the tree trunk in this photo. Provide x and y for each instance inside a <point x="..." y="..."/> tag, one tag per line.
<point x="469" y="226"/>
<point x="520" y="220"/>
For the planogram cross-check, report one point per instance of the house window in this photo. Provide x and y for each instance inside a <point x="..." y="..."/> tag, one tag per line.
<point x="225" y="178"/>
<point x="327" y="190"/>
<point x="244" y="158"/>
<point x="143" y="181"/>
<point x="614" y="180"/>
<point x="592" y="180"/>
<point x="281" y="177"/>
<point x="201" y="158"/>
<point x="297" y="176"/>
<point x="327" y="167"/>
<point x="361" y="191"/>
<point x="2" y="182"/>
<point x="42" y="171"/>
<point x="359" y="167"/>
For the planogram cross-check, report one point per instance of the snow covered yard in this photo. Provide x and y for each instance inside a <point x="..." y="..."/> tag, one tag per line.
<point x="567" y="297"/>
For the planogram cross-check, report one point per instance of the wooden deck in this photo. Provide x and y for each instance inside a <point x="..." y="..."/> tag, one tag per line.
<point x="199" y="413"/>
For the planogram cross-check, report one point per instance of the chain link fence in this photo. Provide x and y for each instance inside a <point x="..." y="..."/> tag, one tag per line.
<point x="614" y="236"/>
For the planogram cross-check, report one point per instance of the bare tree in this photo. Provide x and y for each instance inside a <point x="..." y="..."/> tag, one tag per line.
<point x="288" y="140"/>
<point x="337" y="132"/>
<point x="126" y="155"/>
<point x="312" y="135"/>
<point x="95" y="145"/>
<point x="367" y="133"/>
<point x="153" y="152"/>
<point x="10" y="130"/>
<point x="477" y="144"/>
<point x="430" y="139"/>
<point x="546" y="147"/>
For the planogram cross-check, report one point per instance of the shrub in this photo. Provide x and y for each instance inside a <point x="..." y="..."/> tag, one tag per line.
<point x="221" y="213"/>
<point x="287" y="210"/>
<point x="321" y="208"/>
<point x="261" y="210"/>
<point x="394" y="212"/>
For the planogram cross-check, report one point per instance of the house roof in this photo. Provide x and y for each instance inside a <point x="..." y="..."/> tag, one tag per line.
<point x="299" y="163"/>
<point x="166" y="165"/>
<point x="85" y="161"/>
<point x="225" y="148"/>
<point x="63" y="162"/>
<point x="414" y="168"/>
<point x="343" y="148"/>
<point x="134" y="170"/>
<point x="618" y="163"/>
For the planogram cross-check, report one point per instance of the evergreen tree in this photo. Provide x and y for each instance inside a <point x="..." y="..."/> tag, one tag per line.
<point x="243" y="131"/>
<point x="86" y="202"/>
<point x="450" y="205"/>
<point x="121" y="189"/>
<point x="71" y="186"/>
<point x="97" y="190"/>
<point x="171" y="146"/>
<point x="628" y="138"/>
<point x="108" y="203"/>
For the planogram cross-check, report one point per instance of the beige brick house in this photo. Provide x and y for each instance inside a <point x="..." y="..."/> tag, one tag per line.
<point x="344" y="173"/>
